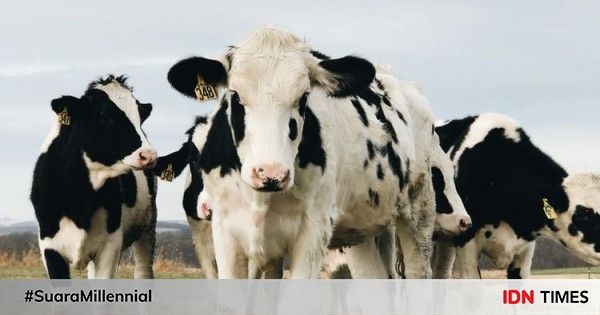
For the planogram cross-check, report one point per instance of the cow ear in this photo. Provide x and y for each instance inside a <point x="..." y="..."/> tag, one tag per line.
<point x="183" y="76"/>
<point x="344" y="76"/>
<point x="174" y="163"/>
<point x="66" y="107"/>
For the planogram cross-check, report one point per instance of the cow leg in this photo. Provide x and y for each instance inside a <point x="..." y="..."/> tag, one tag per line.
<point x="364" y="261"/>
<point x="443" y="261"/>
<point x="91" y="270"/>
<point x="520" y="267"/>
<point x="467" y="261"/>
<point x="107" y="259"/>
<point x="203" y="244"/>
<point x="143" y="255"/>
<point x="56" y="265"/>
<point x="231" y="261"/>
<point x="254" y="272"/>
<point x="307" y="252"/>
<point x="386" y="243"/>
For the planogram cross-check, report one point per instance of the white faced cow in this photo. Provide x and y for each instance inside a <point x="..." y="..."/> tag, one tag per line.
<point x="91" y="193"/>
<point x="299" y="138"/>
<point x="514" y="192"/>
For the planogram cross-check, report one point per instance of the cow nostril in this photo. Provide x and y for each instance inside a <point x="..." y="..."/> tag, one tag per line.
<point x="464" y="224"/>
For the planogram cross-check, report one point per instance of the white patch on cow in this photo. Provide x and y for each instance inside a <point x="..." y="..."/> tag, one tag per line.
<point x="54" y="131"/>
<point x="125" y="101"/>
<point x="448" y="223"/>
<point x="203" y="244"/>
<point x="481" y="127"/>
<point x="582" y="189"/>
<point x="502" y="245"/>
<point x="139" y="213"/>
<point x="67" y="241"/>
<point x="99" y="172"/>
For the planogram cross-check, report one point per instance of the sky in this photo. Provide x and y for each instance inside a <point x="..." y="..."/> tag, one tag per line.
<point x="537" y="61"/>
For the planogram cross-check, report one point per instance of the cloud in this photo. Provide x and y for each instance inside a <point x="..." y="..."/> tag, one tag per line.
<point x="28" y="69"/>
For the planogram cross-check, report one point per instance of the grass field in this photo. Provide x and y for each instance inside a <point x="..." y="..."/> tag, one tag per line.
<point x="29" y="266"/>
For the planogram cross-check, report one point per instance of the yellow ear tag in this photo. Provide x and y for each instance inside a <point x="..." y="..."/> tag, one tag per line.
<point x="167" y="175"/>
<point x="204" y="92"/>
<point x="64" y="118"/>
<point x="549" y="210"/>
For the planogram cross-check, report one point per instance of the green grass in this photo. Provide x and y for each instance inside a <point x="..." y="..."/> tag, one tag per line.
<point x="562" y="271"/>
<point x="124" y="272"/>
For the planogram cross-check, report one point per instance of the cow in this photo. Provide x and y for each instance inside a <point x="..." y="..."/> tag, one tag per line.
<point x="451" y="218"/>
<point x="93" y="191"/>
<point x="298" y="138"/>
<point x="514" y="193"/>
<point x="196" y="202"/>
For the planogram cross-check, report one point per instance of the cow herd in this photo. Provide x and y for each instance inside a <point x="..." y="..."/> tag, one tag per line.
<point x="302" y="157"/>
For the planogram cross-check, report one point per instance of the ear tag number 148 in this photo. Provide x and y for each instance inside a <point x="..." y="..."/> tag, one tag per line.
<point x="204" y="92"/>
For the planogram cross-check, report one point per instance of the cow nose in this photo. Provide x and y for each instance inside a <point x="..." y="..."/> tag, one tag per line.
<point x="147" y="157"/>
<point x="270" y="177"/>
<point x="464" y="224"/>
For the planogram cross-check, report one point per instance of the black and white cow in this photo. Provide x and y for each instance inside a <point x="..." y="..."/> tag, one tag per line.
<point x="196" y="202"/>
<point x="514" y="192"/>
<point x="92" y="190"/>
<point x="299" y="138"/>
<point x="451" y="219"/>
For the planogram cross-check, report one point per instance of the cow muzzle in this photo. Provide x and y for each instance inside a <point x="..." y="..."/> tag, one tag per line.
<point x="142" y="159"/>
<point x="270" y="178"/>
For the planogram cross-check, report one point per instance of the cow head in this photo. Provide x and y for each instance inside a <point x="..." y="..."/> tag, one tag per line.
<point x="267" y="82"/>
<point x="106" y="122"/>
<point x="578" y="227"/>
<point x="451" y="216"/>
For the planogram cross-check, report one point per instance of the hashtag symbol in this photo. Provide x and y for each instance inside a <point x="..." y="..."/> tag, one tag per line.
<point x="28" y="295"/>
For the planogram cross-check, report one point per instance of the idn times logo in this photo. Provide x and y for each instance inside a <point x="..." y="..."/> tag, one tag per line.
<point x="545" y="296"/>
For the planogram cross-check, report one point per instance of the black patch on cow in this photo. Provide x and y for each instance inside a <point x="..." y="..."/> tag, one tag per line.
<point x="401" y="117"/>
<point x="302" y="104"/>
<point x="373" y="198"/>
<point x="238" y="113"/>
<point x="293" y="129"/>
<point x="352" y="73"/>
<point x="442" y="205"/>
<point x="183" y="75"/>
<point x="191" y="194"/>
<point x="129" y="188"/>
<point x="361" y="112"/>
<point x="178" y="160"/>
<point x="57" y="266"/>
<point x="395" y="164"/>
<point x="310" y="150"/>
<point x="453" y="133"/>
<point x="219" y="149"/>
<point x="379" y="171"/>
<point x="374" y="100"/>
<point x="319" y="55"/>
<point x="488" y="234"/>
<point x="366" y="164"/>
<point x="500" y="180"/>
<point x="512" y="272"/>
<point x="370" y="149"/>
<point x="586" y="221"/>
